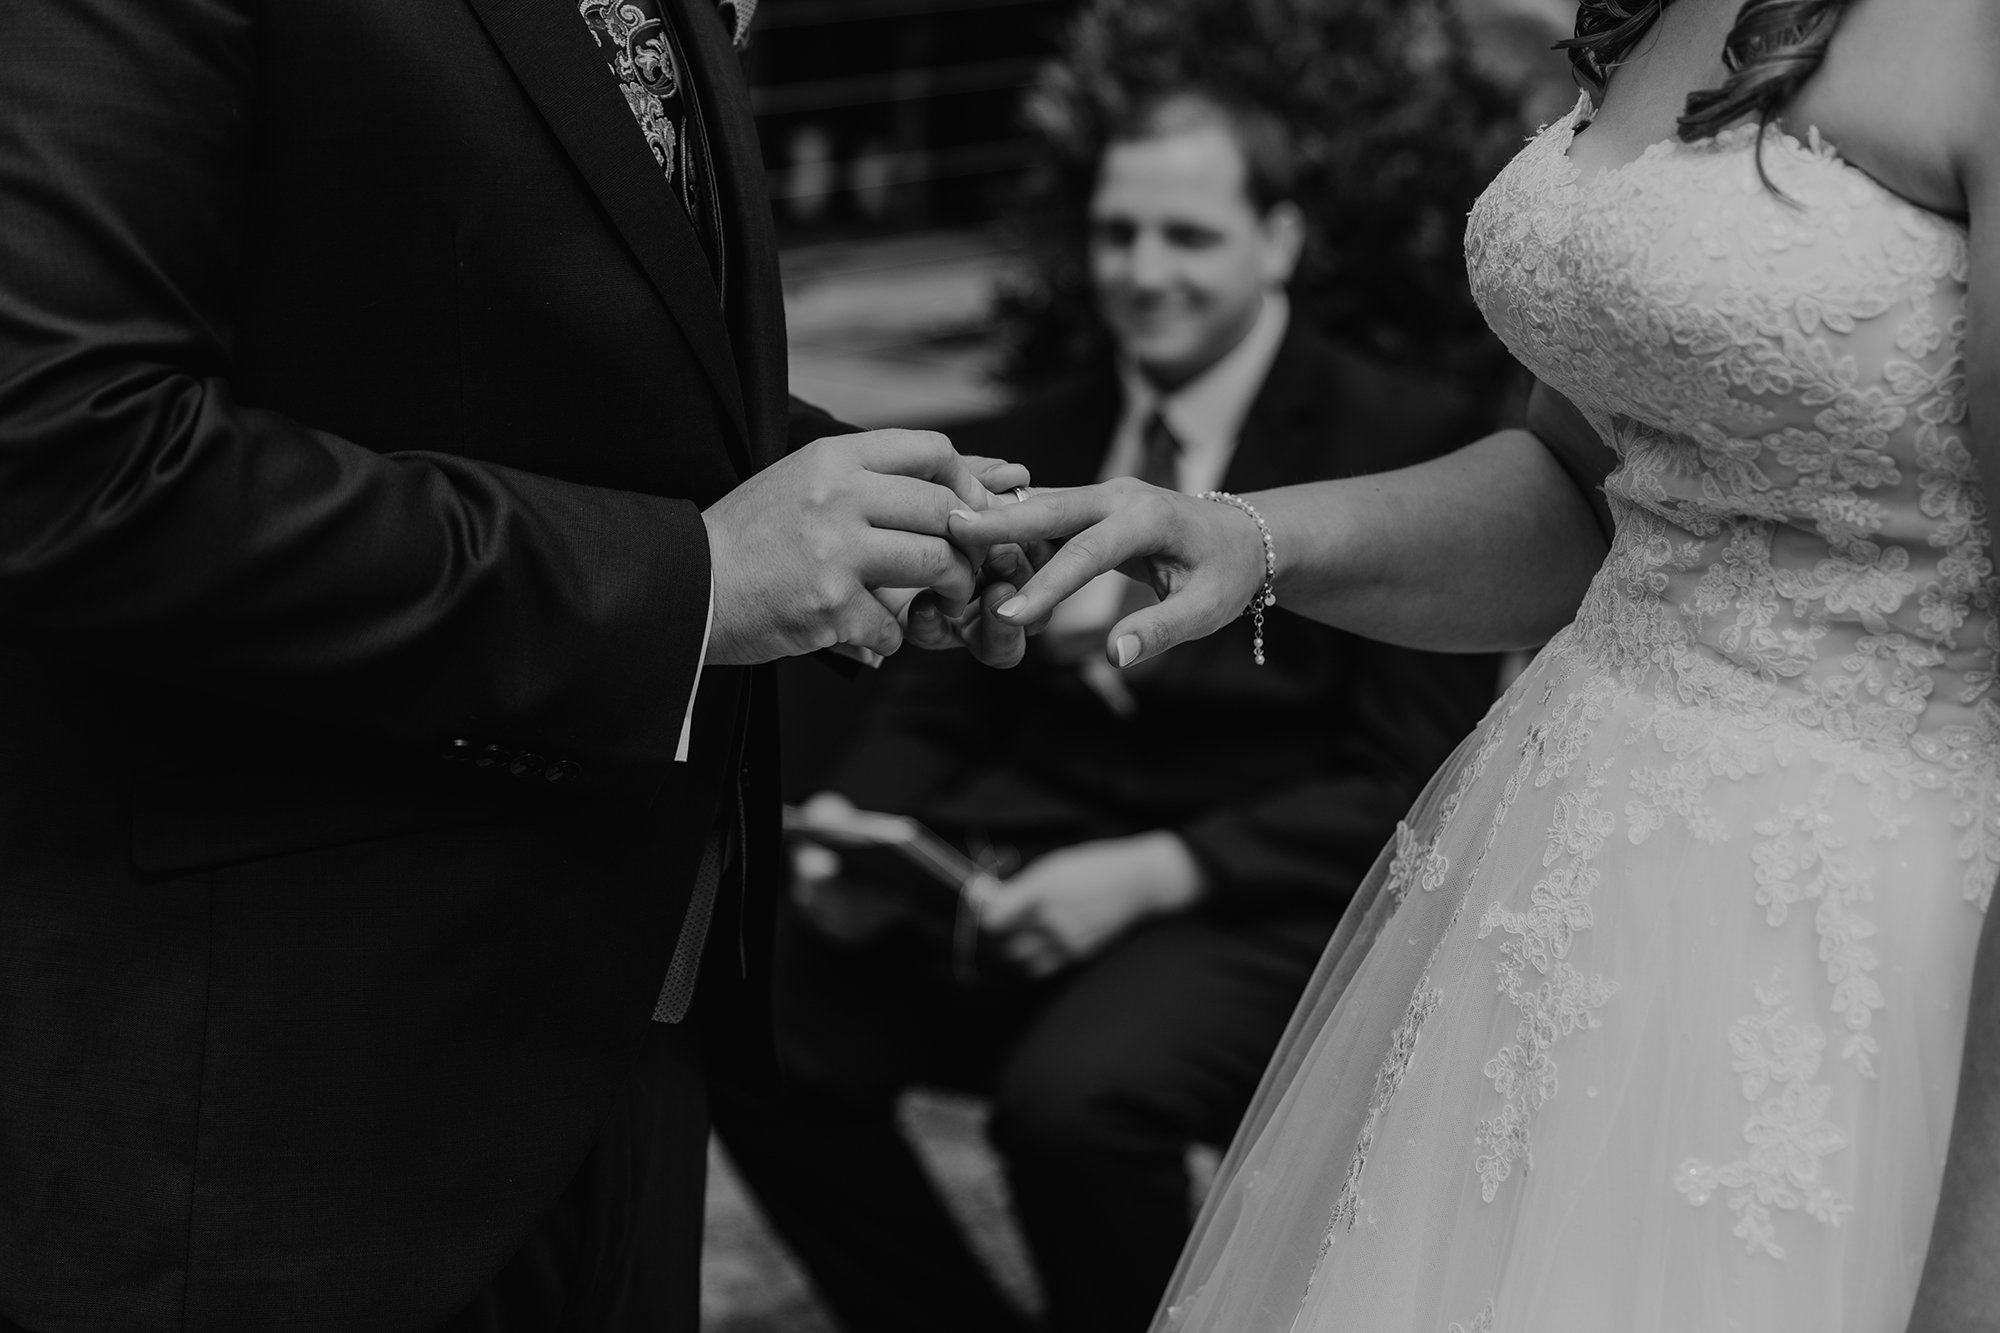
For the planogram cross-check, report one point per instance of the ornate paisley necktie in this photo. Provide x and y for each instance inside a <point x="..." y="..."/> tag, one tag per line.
<point x="645" y="57"/>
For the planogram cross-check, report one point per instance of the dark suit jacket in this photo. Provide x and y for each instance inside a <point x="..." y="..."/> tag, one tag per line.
<point x="360" y="386"/>
<point x="1285" y="780"/>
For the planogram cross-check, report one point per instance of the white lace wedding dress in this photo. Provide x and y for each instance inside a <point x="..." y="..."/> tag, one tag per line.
<point x="1653" y="1022"/>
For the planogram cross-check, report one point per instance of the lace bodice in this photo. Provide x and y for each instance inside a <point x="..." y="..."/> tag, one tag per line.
<point x="1800" y="526"/>
<point x="1650" y="1018"/>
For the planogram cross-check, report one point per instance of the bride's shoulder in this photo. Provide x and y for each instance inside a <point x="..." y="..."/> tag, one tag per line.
<point x="1909" y="92"/>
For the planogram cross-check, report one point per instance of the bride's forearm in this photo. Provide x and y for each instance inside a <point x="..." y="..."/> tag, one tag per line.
<point x="1488" y="548"/>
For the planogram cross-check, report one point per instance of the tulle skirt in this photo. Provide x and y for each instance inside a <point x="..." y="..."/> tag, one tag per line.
<point x="1649" y="1021"/>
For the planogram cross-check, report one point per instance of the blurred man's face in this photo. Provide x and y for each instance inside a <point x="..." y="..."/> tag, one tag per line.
<point x="1179" y="255"/>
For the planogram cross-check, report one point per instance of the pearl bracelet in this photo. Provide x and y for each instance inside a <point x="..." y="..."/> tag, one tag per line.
<point x="1267" y="596"/>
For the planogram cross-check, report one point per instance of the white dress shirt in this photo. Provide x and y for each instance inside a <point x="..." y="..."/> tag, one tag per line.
<point x="687" y="720"/>
<point x="1206" y="415"/>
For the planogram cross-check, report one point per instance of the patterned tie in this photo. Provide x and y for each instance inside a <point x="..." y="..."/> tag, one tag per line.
<point x="677" y="993"/>
<point x="1159" y="465"/>
<point x="645" y="56"/>
<point x="1081" y="645"/>
<point x="1159" y="453"/>
<point x="743" y="13"/>
<point x="652" y="70"/>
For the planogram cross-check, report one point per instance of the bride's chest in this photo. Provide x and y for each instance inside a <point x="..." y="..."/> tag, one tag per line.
<point x="1680" y="290"/>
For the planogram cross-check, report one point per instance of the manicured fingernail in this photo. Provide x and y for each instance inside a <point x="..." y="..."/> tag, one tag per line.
<point x="964" y="515"/>
<point x="1010" y="608"/>
<point x="1128" y="649"/>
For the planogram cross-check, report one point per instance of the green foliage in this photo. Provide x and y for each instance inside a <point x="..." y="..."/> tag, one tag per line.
<point x="1397" y="131"/>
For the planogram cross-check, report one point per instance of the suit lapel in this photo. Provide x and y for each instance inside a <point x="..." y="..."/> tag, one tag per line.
<point x="551" y="53"/>
<point x="756" y="296"/>
<point x="1283" y="439"/>
<point x="1077" y="426"/>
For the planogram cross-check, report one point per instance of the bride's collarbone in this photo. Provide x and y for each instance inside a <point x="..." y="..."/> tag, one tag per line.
<point x="1894" y="95"/>
<point x="1891" y="98"/>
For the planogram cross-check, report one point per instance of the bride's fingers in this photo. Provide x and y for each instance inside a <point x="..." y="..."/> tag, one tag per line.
<point x="1096" y="550"/>
<point x="992" y="640"/>
<point x="1196" y="608"/>
<point x="1048" y="514"/>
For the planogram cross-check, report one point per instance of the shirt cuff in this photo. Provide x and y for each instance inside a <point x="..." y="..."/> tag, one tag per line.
<point x="687" y="722"/>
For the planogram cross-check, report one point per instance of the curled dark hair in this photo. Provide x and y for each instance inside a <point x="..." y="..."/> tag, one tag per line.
<point x="1773" y="48"/>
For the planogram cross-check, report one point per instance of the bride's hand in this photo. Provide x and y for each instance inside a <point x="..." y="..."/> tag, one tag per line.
<point x="1205" y="560"/>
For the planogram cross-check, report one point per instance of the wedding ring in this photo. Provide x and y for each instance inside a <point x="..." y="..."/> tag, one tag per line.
<point x="1020" y="493"/>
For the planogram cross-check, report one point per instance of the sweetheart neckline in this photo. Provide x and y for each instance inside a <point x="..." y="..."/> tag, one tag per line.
<point x="1813" y="148"/>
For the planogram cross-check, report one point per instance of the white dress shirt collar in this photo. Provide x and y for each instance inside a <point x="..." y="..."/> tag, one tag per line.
<point x="1207" y="413"/>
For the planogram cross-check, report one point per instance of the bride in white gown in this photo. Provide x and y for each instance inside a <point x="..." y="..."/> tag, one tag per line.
<point x="1652" y="1017"/>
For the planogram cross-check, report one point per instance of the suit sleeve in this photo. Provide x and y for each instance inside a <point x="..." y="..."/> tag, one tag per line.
<point x="149" y="518"/>
<point x="1304" y="846"/>
<point x="808" y="423"/>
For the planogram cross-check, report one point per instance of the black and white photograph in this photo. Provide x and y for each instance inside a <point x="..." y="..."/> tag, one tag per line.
<point x="999" y="666"/>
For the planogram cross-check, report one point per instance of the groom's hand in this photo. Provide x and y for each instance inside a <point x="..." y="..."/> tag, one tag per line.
<point x="797" y="548"/>
<point x="994" y="641"/>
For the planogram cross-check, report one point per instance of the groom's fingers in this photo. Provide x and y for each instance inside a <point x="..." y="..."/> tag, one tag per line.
<point x="890" y="500"/>
<point x="925" y="626"/>
<point x="925" y="455"/>
<point x="892" y="559"/>
<point x="991" y="641"/>
<point x="997" y="475"/>
<point x="1009" y="562"/>
<point x="864" y="622"/>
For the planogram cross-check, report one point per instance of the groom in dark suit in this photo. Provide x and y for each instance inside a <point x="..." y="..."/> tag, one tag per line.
<point x="1180" y="840"/>
<point x="395" y="502"/>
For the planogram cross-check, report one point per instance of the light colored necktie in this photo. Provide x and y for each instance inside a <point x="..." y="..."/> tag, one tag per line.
<point x="743" y="11"/>
<point x="678" y="991"/>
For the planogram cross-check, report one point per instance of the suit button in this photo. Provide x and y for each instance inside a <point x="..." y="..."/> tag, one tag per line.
<point x="490" y="755"/>
<point x="526" y="765"/>
<point x="743" y="774"/>
<point x="457" y="751"/>
<point x="561" y="771"/>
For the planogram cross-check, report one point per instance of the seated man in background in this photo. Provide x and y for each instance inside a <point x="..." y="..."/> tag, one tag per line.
<point x="1175" y="883"/>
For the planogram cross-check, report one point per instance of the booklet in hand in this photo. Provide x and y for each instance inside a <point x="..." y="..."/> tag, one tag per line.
<point x="932" y="883"/>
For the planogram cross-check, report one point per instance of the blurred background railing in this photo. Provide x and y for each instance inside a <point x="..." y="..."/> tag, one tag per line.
<point x="892" y="137"/>
<point x="884" y="116"/>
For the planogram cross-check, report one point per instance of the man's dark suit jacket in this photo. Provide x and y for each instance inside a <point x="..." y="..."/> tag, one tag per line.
<point x="360" y="387"/>
<point x="1284" y="780"/>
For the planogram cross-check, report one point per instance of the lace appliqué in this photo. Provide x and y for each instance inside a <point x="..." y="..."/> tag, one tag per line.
<point x="1481" y="1322"/>
<point x="1789" y="1135"/>
<point x="1415" y="864"/>
<point x="1555" y="998"/>
<point x="1388" y="1079"/>
<point x="1674" y="790"/>
<point x="1772" y="378"/>
<point x="1418" y="862"/>
<point x="1803" y="858"/>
